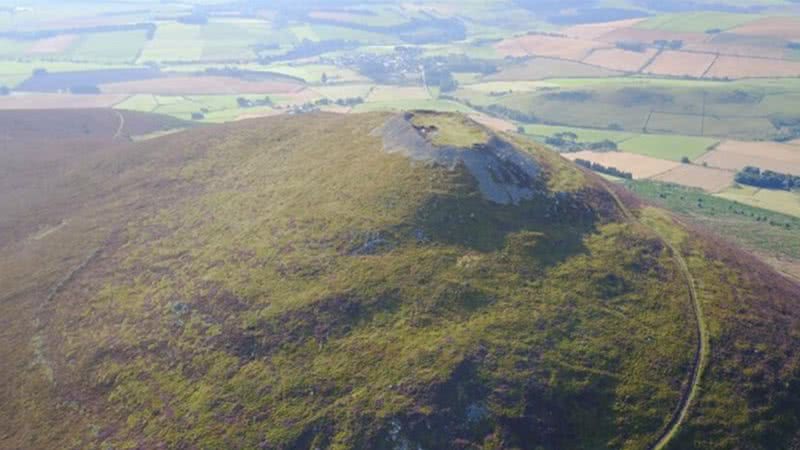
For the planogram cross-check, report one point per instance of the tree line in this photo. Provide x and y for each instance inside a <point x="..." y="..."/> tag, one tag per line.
<point x="754" y="176"/>
<point x="613" y="171"/>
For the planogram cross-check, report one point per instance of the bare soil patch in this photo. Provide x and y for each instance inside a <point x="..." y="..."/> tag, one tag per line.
<point x="742" y="45"/>
<point x="493" y="122"/>
<point x="200" y="85"/>
<point x="640" y="166"/>
<point x="743" y="67"/>
<point x="618" y="59"/>
<point x="558" y="47"/>
<point x="779" y="27"/>
<point x="736" y="50"/>
<point x="681" y="64"/>
<point x="595" y="30"/>
<point x="736" y="155"/>
<point x="708" y="179"/>
<point x="649" y="36"/>
<point x="55" y="44"/>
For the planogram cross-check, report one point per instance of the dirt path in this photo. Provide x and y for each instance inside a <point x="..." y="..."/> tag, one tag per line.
<point x="121" y="126"/>
<point x="702" y="346"/>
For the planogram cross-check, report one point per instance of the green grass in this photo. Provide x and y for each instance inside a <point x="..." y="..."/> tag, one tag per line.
<point x="739" y="110"/>
<point x="289" y="318"/>
<point x="452" y="130"/>
<point x="585" y="135"/>
<point x="671" y="147"/>
<point x="757" y="228"/>
<point x="312" y="73"/>
<point x="663" y="146"/>
<point x="144" y="103"/>
<point x="174" y="42"/>
<point x="312" y="289"/>
<point x="116" y="47"/>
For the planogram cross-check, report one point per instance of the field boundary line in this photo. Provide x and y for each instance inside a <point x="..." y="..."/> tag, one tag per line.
<point x="651" y="177"/>
<point x="650" y="61"/>
<point x="708" y="69"/>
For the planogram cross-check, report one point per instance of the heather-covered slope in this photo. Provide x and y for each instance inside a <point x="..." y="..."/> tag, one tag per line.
<point x="377" y="281"/>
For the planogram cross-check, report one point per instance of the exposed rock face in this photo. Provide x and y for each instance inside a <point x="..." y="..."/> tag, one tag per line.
<point x="504" y="175"/>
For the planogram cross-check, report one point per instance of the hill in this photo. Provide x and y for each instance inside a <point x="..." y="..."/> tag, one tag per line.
<point x="380" y="281"/>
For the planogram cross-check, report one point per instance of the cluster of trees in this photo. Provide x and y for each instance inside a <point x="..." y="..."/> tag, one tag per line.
<point x="248" y="103"/>
<point x="570" y="96"/>
<point x="308" y="107"/>
<point x="568" y="142"/>
<point x="613" y="171"/>
<point x="672" y="45"/>
<point x="350" y="101"/>
<point x="794" y="45"/>
<point x="753" y="176"/>
<point x="632" y="46"/>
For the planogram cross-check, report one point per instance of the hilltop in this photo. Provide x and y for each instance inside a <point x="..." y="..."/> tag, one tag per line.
<point x="380" y="281"/>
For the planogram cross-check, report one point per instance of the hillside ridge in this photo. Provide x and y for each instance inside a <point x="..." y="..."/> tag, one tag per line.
<point x="351" y="282"/>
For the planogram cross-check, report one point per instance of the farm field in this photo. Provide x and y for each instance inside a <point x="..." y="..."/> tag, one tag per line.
<point x="539" y="45"/>
<point x="681" y="94"/>
<point x="545" y="68"/>
<point x="174" y="42"/>
<point x="494" y="123"/>
<point x="771" y="234"/>
<point x="382" y="93"/>
<point x="661" y="122"/>
<point x="620" y="60"/>
<point x="53" y="45"/>
<point x="116" y="47"/>
<point x="781" y="27"/>
<point x="736" y="155"/>
<point x="744" y="67"/>
<point x="707" y="179"/>
<point x="584" y="134"/>
<point x="697" y="22"/>
<point x="312" y="73"/>
<point x="638" y="34"/>
<point x="593" y="31"/>
<point x="671" y="147"/>
<point x="681" y="64"/>
<point x="781" y="201"/>
<point x="638" y="165"/>
<point x="546" y="77"/>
